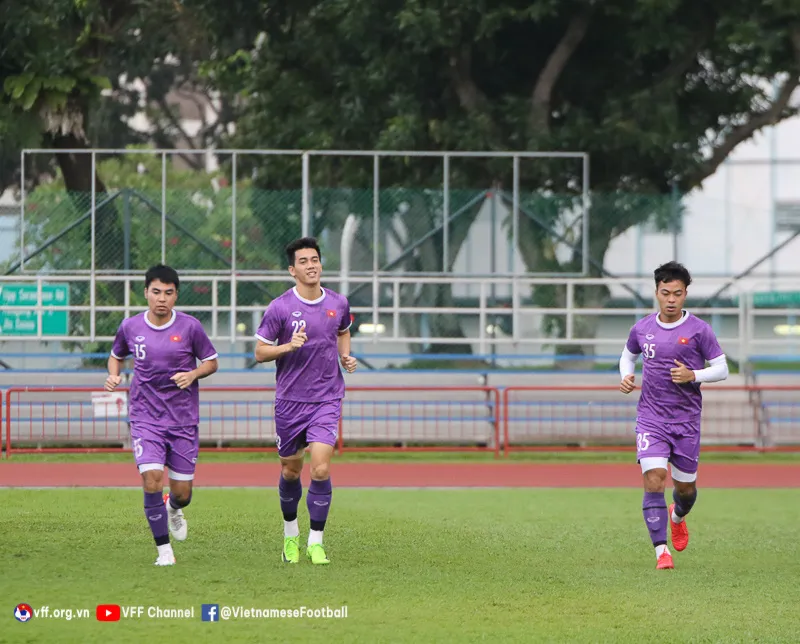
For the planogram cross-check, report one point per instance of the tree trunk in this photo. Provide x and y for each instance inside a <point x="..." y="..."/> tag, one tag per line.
<point x="77" y="172"/>
<point x="419" y="221"/>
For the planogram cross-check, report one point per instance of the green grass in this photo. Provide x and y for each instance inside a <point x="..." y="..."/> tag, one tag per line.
<point x="621" y="456"/>
<point x="412" y="566"/>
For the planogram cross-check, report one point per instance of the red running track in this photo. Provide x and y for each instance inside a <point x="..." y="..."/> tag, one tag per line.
<point x="378" y="475"/>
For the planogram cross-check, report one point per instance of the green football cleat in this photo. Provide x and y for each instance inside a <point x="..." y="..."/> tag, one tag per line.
<point x="316" y="553"/>
<point x="291" y="550"/>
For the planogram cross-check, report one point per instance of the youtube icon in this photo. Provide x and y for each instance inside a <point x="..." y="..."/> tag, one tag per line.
<point x="108" y="613"/>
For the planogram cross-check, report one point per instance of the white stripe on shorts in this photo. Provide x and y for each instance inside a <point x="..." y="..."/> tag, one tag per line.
<point x="146" y="467"/>
<point x="653" y="463"/>
<point x="177" y="476"/>
<point x="683" y="477"/>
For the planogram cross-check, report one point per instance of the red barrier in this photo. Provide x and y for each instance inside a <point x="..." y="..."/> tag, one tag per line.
<point x="414" y="419"/>
<point x="60" y="419"/>
<point x="764" y="418"/>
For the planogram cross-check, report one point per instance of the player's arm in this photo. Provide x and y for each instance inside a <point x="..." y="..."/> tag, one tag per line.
<point x="116" y="359"/>
<point x="343" y="341"/>
<point x="627" y="364"/>
<point x="206" y="368"/>
<point x="715" y="372"/>
<point x="717" y="368"/>
<point x="713" y="354"/>
<point x="267" y="347"/>
<point x="114" y="377"/>
<point x="268" y="352"/>
<point x="203" y="351"/>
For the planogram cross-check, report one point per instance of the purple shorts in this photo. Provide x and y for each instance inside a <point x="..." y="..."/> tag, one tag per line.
<point x="679" y="443"/>
<point x="176" y="447"/>
<point x="298" y="424"/>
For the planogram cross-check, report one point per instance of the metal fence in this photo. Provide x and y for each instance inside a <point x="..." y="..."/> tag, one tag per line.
<point x="410" y="418"/>
<point x="409" y="211"/>
<point x="481" y="315"/>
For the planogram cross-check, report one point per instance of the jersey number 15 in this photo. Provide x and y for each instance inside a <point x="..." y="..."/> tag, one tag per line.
<point x="139" y="351"/>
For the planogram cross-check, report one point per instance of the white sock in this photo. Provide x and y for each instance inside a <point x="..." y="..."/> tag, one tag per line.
<point x="676" y="518"/>
<point x="314" y="536"/>
<point x="291" y="529"/>
<point x="660" y="550"/>
<point x="165" y="549"/>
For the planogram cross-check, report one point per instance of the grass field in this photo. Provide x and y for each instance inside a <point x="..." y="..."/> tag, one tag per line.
<point x="412" y="566"/>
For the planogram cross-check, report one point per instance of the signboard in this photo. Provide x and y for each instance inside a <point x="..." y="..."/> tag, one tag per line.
<point x="787" y="216"/>
<point x="786" y="299"/>
<point x="25" y="320"/>
<point x="110" y="404"/>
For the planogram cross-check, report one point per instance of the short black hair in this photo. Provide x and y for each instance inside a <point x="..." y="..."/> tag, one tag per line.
<point x="300" y="244"/>
<point x="671" y="272"/>
<point x="164" y="274"/>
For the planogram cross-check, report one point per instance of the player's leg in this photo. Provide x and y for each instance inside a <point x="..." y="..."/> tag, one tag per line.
<point x="183" y="447"/>
<point x="291" y="441"/>
<point x="322" y="434"/>
<point x="290" y="491"/>
<point x="685" y="457"/>
<point x="149" y="449"/>
<point x="318" y="500"/>
<point x="653" y="452"/>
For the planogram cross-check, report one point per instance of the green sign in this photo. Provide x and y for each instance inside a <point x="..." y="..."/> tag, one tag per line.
<point x="777" y="298"/>
<point x="25" y="320"/>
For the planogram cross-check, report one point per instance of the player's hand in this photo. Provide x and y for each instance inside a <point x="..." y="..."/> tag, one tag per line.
<point x="184" y="379"/>
<point x="627" y="385"/>
<point x="298" y="340"/>
<point x="349" y="363"/>
<point x="681" y="374"/>
<point x="112" y="382"/>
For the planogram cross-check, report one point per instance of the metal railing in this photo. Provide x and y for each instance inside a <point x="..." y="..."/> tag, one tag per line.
<point x="496" y="313"/>
<point x="512" y="306"/>
<point x="388" y="418"/>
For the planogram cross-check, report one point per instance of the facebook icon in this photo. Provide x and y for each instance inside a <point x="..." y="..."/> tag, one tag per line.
<point x="210" y="612"/>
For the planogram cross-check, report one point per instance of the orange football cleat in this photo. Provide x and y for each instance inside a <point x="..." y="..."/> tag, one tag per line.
<point x="665" y="561"/>
<point x="678" y="531"/>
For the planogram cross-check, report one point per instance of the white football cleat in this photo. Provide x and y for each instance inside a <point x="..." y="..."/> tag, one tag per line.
<point x="165" y="556"/>
<point x="176" y="520"/>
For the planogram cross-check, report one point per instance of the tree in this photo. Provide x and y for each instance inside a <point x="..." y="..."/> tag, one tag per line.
<point x="68" y="70"/>
<point x="658" y="93"/>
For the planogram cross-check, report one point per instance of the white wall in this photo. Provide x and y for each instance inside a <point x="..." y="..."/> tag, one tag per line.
<point x="728" y="223"/>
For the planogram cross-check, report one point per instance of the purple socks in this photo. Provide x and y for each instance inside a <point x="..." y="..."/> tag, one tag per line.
<point x="654" y="510"/>
<point x="156" y="513"/>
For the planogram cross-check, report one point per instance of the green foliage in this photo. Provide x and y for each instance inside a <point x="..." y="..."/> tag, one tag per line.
<point x="658" y="93"/>
<point x="51" y="57"/>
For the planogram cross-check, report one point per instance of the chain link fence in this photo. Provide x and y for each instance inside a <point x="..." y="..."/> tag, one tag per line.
<point x="400" y="213"/>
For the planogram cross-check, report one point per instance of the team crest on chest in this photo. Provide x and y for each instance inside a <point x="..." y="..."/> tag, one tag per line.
<point x="683" y="340"/>
<point x="330" y="314"/>
<point x="175" y="338"/>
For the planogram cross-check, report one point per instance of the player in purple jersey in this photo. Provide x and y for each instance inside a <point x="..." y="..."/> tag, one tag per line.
<point x="164" y="401"/>
<point x="675" y="346"/>
<point x="307" y="332"/>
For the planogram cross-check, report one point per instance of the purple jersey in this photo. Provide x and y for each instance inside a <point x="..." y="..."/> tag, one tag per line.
<point x="312" y="373"/>
<point x="690" y="341"/>
<point x="159" y="353"/>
